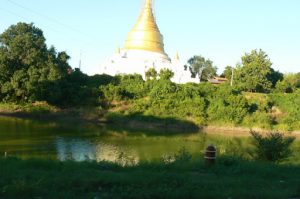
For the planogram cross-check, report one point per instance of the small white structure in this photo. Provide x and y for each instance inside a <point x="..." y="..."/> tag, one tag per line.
<point x="144" y="49"/>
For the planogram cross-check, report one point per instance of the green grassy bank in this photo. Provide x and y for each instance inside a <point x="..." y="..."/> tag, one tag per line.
<point x="120" y="118"/>
<point x="229" y="178"/>
<point x="46" y="112"/>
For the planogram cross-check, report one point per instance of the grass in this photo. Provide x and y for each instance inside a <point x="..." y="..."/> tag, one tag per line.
<point x="44" y="111"/>
<point x="37" y="107"/>
<point x="137" y="122"/>
<point x="180" y="177"/>
<point x="96" y="115"/>
<point x="229" y="178"/>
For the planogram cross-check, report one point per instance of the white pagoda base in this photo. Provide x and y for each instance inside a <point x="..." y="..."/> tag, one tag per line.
<point x="140" y="61"/>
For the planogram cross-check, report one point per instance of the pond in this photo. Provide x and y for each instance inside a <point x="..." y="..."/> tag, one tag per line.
<point x="35" y="139"/>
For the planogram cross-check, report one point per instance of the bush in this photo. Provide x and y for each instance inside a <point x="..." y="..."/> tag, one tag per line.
<point x="227" y="106"/>
<point x="259" y="119"/>
<point x="124" y="87"/>
<point x="274" y="147"/>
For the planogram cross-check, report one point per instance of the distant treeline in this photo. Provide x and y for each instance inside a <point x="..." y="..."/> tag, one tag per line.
<point x="259" y="95"/>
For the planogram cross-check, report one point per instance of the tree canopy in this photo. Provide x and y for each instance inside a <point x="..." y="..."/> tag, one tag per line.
<point x="202" y="67"/>
<point x="227" y="73"/>
<point x="289" y="83"/>
<point x="151" y="74"/>
<point x="255" y="74"/>
<point x="166" y="74"/>
<point x="29" y="71"/>
<point x="27" y="65"/>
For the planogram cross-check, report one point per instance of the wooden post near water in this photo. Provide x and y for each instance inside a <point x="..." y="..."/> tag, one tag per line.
<point x="210" y="155"/>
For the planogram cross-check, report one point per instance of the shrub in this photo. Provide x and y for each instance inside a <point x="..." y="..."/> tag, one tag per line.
<point x="259" y="119"/>
<point x="273" y="147"/>
<point x="227" y="106"/>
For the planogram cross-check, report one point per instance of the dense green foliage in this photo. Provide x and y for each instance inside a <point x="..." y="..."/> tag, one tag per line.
<point x="151" y="74"/>
<point x="274" y="147"/>
<point x="227" y="105"/>
<point x="201" y="103"/>
<point x="29" y="71"/>
<point x="289" y="105"/>
<point x="289" y="84"/>
<point x="227" y="73"/>
<point x="255" y="74"/>
<point x="165" y="74"/>
<point x="27" y="65"/>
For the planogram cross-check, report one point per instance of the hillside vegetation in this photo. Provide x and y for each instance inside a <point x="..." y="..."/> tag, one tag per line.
<point x="36" y="77"/>
<point x="203" y="104"/>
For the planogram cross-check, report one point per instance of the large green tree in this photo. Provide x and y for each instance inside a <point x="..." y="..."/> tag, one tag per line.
<point x="27" y="65"/>
<point x="202" y="67"/>
<point x="255" y="74"/>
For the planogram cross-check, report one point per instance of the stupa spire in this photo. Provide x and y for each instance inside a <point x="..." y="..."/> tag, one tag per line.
<point x="145" y="34"/>
<point x="148" y="3"/>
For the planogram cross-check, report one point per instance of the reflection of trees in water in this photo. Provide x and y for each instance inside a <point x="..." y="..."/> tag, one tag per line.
<point x="74" y="149"/>
<point x="80" y="150"/>
<point x="112" y="153"/>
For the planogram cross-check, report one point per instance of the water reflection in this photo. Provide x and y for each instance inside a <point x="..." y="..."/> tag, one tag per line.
<point x="74" y="149"/>
<point x="81" y="150"/>
<point x="28" y="139"/>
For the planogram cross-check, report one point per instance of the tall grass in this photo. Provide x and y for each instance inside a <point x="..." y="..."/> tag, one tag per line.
<point x="184" y="177"/>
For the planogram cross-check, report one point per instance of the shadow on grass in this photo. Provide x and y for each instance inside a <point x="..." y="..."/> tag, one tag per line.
<point x="229" y="178"/>
<point x="64" y="116"/>
<point x="151" y="125"/>
<point x="43" y="116"/>
<point x="135" y="123"/>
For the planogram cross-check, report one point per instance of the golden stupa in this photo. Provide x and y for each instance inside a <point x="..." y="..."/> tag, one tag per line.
<point x="144" y="49"/>
<point x="145" y="34"/>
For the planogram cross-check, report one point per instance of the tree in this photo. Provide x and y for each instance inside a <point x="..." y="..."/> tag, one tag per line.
<point x="27" y="66"/>
<point x="227" y="73"/>
<point x="198" y="65"/>
<point x="166" y="74"/>
<point x="274" y="77"/>
<point x="289" y="83"/>
<point x="151" y="74"/>
<point x="255" y="73"/>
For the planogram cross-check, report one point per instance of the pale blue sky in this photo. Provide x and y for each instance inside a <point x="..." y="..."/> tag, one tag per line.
<point x="217" y="29"/>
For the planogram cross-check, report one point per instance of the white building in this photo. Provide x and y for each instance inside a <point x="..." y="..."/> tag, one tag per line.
<point x="144" y="49"/>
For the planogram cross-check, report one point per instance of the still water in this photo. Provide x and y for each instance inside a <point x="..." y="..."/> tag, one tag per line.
<point x="27" y="139"/>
